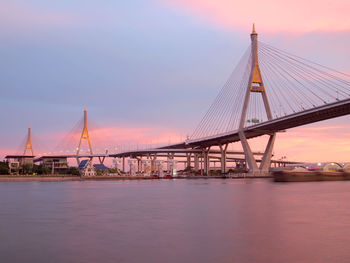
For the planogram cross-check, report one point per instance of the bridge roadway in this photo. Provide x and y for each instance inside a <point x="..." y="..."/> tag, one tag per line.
<point x="178" y="153"/>
<point x="320" y="113"/>
<point x="165" y="152"/>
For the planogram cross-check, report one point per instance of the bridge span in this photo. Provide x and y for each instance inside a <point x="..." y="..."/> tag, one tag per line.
<point x="269" y="91"/>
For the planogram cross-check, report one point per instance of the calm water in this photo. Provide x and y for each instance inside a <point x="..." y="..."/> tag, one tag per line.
<point x="175" y="221"/>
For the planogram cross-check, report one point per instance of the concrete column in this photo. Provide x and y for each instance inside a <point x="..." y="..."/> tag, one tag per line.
<point x="123" y="160"/>
<point x="188" y="163"/>
<point x="266" y="160"/>
<point x="223" y="150"/>
<point x="249" y="157"/>
<point x="196" y="162"/>
<point x="139" y="164"/>
<point x="201" y="160"/>
<point x="167" y="164"/>
<point x="153" y="162"/>
<point x="206" y="161"/>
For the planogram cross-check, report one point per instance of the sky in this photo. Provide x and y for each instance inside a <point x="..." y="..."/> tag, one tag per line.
<point x="148" y="70"/>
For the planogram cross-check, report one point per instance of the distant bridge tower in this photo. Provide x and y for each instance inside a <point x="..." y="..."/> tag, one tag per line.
<point x="256" y="84"/>
<point x="84" y="135"/>
<point x="29" y="145"/>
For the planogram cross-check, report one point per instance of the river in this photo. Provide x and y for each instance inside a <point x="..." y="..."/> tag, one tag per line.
<point x="213" y="220"/>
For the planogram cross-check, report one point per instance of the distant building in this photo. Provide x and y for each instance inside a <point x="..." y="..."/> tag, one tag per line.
<point x="101" y="169"/>
<point x="324" y="167"/>
<point x="86" y="168"/>
<point x="332" y="167"/>
<point x="17" y="162"/>
<point x="55" y="164"/>
<point x="346" y="168"/>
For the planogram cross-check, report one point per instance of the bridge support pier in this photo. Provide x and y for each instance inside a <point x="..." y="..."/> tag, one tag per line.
<point x="253" y="167"/>
<point x="196" y="162"/>
<point x="188" y="162"/>
<point x="170" y="157"/>
<point x="223" y="150"/>
<point x="101" y="159"/>
<point x="153" y="163"/>
<point x="266" y="160"/>
<point x="139" y="164"/>
<point x="206" y="161"/>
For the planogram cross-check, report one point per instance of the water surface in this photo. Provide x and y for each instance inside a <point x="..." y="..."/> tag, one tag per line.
<point x="243" y="220"/>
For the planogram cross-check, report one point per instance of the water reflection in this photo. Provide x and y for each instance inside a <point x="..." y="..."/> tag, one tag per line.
<point x="175" y="221"/>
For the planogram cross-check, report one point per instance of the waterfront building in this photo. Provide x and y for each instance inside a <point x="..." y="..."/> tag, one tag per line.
<point x="101" y="169"/>
<point x="18" y="163"/>
<point x="55" y="164"/>
<point x="86" y="168"/>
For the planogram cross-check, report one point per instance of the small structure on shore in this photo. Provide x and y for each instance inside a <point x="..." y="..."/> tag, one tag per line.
<point x="101" y="169"/>
<point x="346" y="168"/>
<point x="324" y="167"/>
<point x="332" y="167"/>
<point x="86" y="168"/>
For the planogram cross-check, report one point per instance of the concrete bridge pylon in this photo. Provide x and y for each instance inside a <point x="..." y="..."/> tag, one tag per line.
<point x="255" y="85"/>
<point x="84" y="136"/>
<point x="29" y="146"/>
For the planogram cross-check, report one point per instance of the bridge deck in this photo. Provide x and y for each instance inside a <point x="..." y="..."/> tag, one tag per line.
<point x="324" y="112"/>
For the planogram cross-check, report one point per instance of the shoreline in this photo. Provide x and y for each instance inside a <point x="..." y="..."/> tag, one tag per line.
<point x="109" y="178"/>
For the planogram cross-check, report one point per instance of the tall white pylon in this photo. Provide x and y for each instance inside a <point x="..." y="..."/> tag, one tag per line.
<point x="256" y="84"/>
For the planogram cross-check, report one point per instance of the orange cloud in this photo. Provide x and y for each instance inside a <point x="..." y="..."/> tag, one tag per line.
<point x="271" y="15"/>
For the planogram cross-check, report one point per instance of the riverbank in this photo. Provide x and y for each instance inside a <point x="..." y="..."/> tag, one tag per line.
<point x="64" y="178"/>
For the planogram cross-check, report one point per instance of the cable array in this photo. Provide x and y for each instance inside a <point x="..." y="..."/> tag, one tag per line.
<point x="224" y="112"/>
<point x="292" y="84"/>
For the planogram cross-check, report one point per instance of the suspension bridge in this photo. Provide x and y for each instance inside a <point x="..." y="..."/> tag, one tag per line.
<point x="269" y="91"/>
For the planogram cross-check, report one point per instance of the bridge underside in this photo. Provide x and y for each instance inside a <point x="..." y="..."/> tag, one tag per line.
<point x="321" y="113"/>
<point x="316" y="114"/>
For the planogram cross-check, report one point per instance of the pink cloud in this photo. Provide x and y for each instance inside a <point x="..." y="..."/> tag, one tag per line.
<point x="27" y="16"/>
<point x="122" y="138"/>
<point x="316" y="143"/>
<point x="271" y="15"/>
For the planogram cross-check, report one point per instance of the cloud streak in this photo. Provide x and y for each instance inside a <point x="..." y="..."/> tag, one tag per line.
<point x="271" y="15"/>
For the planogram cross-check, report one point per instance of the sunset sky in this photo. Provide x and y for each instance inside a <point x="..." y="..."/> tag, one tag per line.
<point x="147" y="70"/>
